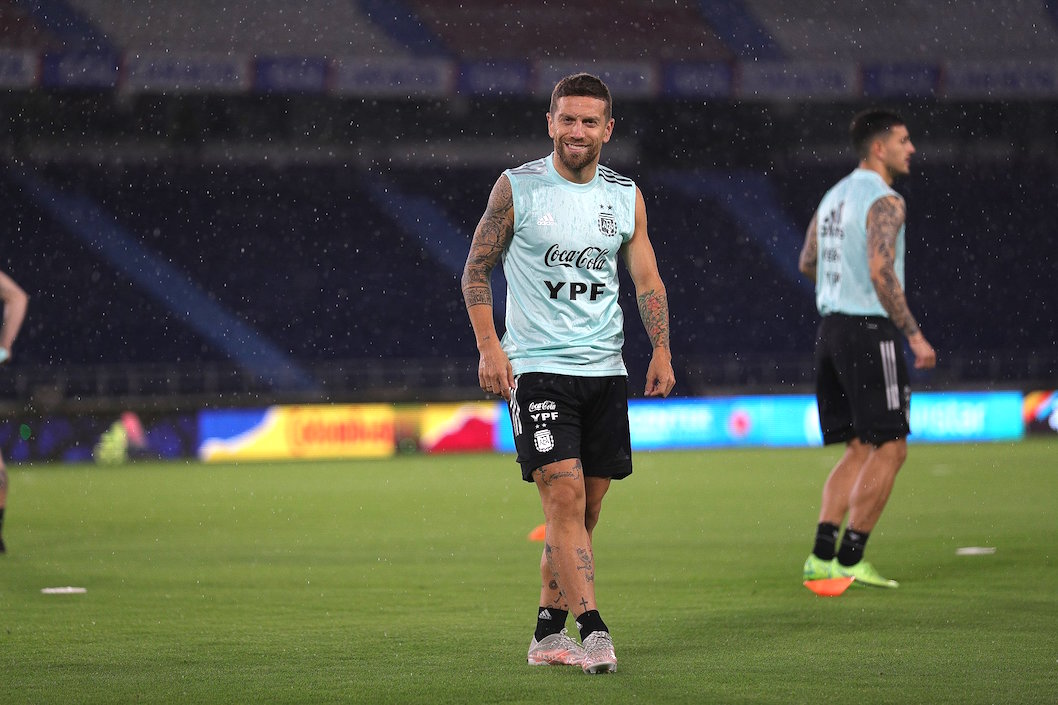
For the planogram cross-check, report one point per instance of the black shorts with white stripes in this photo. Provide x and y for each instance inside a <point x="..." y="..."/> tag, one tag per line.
<point x="558" y="417"/>
<point x="862" y="386"/>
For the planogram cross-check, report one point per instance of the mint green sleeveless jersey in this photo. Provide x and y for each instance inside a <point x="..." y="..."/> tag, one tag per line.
<point x="563" y="314"/>
<point x="843" y="275"/>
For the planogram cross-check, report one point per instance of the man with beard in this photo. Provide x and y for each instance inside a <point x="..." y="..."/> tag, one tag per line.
<point x="854" y="250"/>
<point x="558" y="224"/>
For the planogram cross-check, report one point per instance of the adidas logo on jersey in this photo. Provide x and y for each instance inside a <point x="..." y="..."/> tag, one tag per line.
<point x="546" y="219"/>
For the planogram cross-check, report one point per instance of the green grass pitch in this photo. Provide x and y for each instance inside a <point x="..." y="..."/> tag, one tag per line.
<point x="411" y="580"/>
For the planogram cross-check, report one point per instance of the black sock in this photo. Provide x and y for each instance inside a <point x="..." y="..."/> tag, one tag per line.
<point x="549" y="621"/>
<point x="852" y="545"/>
<point x="590" y="622"/>
<point x="826" y="540"/>
<point x="1" y="520"/>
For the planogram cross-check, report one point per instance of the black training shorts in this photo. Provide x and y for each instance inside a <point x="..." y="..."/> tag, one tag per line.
<point x="862" y="386"/>
<point x="558" y="417"/>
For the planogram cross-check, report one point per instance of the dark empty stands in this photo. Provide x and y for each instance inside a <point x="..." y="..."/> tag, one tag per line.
<point x="300" y="254"/>
<point x="480" y="29"/>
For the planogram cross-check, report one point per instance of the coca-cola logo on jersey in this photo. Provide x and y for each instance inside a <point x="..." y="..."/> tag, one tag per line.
<point x="590" y="258"/>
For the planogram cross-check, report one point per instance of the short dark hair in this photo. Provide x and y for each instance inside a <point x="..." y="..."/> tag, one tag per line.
<point x="870" y="124"/>
<point x="585" y="85"/>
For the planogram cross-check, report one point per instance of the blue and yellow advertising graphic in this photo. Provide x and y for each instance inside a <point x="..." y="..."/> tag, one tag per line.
<point x="295" y="432"/>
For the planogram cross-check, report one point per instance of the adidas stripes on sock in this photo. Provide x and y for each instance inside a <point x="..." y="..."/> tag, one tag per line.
<point x="549" y="621"/>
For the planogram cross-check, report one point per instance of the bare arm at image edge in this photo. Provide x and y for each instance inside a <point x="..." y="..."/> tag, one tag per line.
<point x="15" y="303"/>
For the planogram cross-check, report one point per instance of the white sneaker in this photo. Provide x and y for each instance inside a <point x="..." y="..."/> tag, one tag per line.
<point x="555" y="650"/>
<point x="598" y="654"/>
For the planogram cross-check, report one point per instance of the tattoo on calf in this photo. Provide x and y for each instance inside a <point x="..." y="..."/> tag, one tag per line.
<point x="557" y="597"/>
<point x="587" y="564"/>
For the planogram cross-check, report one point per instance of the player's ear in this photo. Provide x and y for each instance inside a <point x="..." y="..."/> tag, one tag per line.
<point x="878" y="145"/>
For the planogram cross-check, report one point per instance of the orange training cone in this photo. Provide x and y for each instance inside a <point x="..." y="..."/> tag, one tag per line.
<point x="829" y="587"/>
<point x="538" y="533"/>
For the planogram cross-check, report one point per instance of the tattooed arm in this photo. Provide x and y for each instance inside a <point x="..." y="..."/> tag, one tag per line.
<point x="642" y="266"/>
<point x="809" y="251"/>
<point x="492" y="236"/>
<point x="884" y="220"/>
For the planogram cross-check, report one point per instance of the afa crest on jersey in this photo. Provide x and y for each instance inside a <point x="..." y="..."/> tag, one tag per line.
<point x="607" y="223"/>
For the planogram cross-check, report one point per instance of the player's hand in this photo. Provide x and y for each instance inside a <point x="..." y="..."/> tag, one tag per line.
<point x="495" y="374"/>
<point x="925" y="355"/>
<point x="5" y="355"/>
<point x="660" y="377"/>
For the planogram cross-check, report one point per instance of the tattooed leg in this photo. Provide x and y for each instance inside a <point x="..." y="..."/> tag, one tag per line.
<point x="567" y="549"/>
<point x="550" y="593"/>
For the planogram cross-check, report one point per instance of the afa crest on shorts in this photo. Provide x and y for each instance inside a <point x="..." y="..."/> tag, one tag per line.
<point x="607" y="223"/>
<point x="543" y="441"/>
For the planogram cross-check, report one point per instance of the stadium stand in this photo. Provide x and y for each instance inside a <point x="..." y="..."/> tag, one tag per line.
<point x="335" y="226"/>
<point x="18" y="29"/>
<point x="798" y="30"/>
<point x="483" y="29"/>
<point x="300" y="254"/>
<point x="116" y="323"/>
<point x="62" y="24"/>
<point x="909" y="30"/>
<point x="311" y="28"/>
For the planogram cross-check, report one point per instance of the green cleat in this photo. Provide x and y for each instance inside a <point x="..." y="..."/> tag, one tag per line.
<point x="864" y="573"/>
<point x="818" y="569"/>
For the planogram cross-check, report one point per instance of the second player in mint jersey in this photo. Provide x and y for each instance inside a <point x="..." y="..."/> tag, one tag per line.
<point x="854" y="251"/>
<point x="560" y="224"/>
